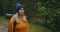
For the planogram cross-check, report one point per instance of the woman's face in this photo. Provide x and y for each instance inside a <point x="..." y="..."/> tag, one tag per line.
<point x="21" y="11"/>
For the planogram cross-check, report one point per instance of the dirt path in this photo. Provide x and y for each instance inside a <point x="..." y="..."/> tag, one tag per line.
<point x="3" y="28"/>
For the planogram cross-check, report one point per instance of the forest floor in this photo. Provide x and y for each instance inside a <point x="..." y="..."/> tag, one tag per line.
<point x="3" y="28"/>
<point x="33" y="27"/>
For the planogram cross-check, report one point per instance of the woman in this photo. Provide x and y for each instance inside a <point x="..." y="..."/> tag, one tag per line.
<point x="21" y="24"/>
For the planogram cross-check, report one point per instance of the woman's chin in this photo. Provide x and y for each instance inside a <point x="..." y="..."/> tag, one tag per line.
<point x="21" y="14"/>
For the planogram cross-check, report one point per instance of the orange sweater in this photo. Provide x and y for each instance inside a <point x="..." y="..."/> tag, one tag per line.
<point x="22" y="26"/>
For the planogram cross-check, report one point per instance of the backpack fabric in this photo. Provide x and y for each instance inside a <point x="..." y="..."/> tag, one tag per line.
<point x="14" y="24"/>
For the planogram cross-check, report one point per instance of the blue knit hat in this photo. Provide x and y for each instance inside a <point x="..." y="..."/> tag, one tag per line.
<point x="18" y="6"/>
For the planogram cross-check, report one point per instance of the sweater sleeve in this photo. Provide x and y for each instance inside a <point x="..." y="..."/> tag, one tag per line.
<point x="10" y="25"/>
<point x="27" y="29"/>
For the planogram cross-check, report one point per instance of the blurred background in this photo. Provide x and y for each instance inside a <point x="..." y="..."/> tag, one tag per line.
<point x="42" y="15"/>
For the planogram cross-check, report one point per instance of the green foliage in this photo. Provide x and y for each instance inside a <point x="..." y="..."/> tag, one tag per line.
<point x="42" y="12"/>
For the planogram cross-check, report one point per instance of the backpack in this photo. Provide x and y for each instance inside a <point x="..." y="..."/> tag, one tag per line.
<point x="14" y="24"/>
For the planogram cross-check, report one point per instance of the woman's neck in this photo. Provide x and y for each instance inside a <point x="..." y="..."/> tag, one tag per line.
<point x="20" y="16"/>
